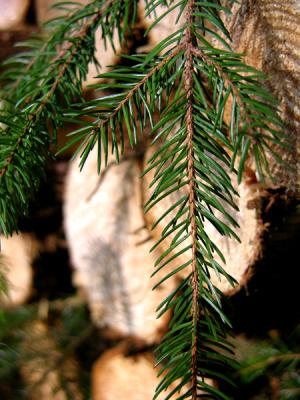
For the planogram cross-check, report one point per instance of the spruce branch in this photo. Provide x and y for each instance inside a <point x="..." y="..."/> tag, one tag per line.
<point x="276" y="357"/>
<point x="53" y="80"/>
<point x="39" y="51"/>
<point x="190" y="166"/>
<point x="253" y="112"/>
<point x="181" y="88"/>
<point x="123" y="106"/>
<point x="267" y="361"/>
<point x="63" y="67"/>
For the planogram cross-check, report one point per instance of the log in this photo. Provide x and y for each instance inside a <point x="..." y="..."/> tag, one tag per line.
<point x="18" y="253"/>
<point x="268" y="34"/>
<point x="109" y="248"/>
<point x="46" y="372"/>
<point x="117" y="375"/>
<point x="13" y="13"/>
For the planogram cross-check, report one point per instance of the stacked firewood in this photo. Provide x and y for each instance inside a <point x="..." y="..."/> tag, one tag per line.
<point x="108" y="236"/>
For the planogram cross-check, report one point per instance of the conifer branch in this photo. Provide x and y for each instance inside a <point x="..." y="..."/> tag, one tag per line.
<point x="135" y="100"/>
<point x="269" y="360"/>
<point x="137" y="86"/>
<point x="61" y="71"/>
<point x="191" y="159"/>
<point x="200" y="54"/>
<point x="35" y="57"/>
<point x="249" y="110"/>
<point x="188" y="79"/>
<point x="53" y="79"/>
<point x="181" y="87"/>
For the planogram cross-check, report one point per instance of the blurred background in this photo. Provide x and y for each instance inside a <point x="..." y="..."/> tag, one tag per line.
<point x="77" y="314"/>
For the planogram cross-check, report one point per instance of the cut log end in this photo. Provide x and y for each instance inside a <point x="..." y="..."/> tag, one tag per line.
<point x="47" y="373"/>
<point x="13" y="13"/>
<point x="116" y="375"/>
<point x="18" y="253"/>
<point x="110" y="249"/>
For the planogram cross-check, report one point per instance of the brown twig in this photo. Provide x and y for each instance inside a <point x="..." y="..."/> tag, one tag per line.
<point x="132" y="92"/>
<point x="188" y="85"/>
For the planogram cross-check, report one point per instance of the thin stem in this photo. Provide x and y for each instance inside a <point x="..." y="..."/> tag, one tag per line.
<point x="132" y="92"/>
<point x="188" y="79"/>
<point x="81" y="34"/>
<point x="270" y="361"/>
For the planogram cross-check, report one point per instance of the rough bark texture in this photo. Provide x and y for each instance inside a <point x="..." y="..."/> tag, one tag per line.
<point x="110" y="245"/>
<point x="268" y="33"/>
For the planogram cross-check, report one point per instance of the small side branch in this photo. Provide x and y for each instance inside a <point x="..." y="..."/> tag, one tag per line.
<point x="134" y="90"/>
<point x="200" y="54"/>
<point x="62" y="70"/>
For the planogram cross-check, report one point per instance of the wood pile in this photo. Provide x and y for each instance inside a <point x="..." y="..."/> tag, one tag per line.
<point x="107" y="234"/>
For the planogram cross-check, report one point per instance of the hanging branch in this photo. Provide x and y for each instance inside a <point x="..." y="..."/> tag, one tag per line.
<point x="182" y="88"/>
<point x="188" y="85"/>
